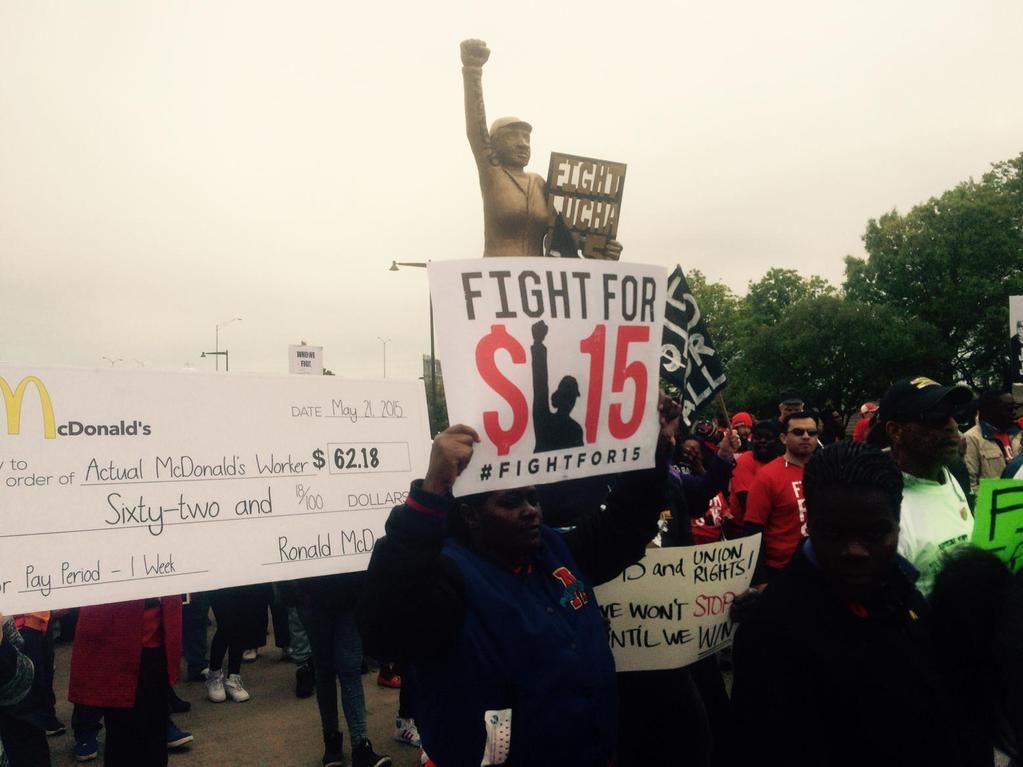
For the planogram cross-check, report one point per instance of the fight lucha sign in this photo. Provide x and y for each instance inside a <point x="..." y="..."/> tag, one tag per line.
<point x="587" y="193"/>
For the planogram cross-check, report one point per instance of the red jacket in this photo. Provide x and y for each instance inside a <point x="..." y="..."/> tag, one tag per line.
<point x="107" y="651"/>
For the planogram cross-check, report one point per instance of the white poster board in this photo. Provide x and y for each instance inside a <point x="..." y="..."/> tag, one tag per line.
<point x="305" y="360"/>
<point x="671" y="608"/>
<point x="1016" y="339"/>
<point x="554" y="362"/>
<point x="119" y="484"/>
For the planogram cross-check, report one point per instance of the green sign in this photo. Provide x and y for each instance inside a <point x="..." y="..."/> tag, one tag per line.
<point x="999" y="520"/>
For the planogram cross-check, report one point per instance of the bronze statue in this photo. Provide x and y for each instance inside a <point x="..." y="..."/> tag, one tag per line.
<point x="516" y="213"/>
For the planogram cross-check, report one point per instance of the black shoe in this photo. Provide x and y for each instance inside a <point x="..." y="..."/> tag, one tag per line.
<point x="305" y="680"/>
<point x="332" y="750"/>
<point x="364" y="756"/>
<point x="177" y="705"/>
<point x="54" y="726"/>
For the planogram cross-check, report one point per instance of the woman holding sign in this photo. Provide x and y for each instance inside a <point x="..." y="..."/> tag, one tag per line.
<point x="494" y="614"/>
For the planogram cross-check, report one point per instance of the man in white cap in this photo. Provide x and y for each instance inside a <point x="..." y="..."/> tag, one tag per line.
<point x="516" y="215"/>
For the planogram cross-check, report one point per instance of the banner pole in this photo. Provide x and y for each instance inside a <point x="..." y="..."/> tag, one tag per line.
<point x="724" y="407"/>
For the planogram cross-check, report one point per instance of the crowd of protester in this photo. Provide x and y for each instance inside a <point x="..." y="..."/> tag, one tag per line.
<point x="127" y="657"/>
<point x="873" y="632"/>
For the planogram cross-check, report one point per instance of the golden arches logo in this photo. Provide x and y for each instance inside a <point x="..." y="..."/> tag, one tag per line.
<point x="13" y="401"/>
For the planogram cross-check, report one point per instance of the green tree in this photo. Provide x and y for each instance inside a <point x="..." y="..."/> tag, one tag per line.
<point x="952" y="263"/>
<point x="834" y="350"/>
<point x="734" y="322"/>
<point x="768" y="299"/>
<point x="721" y="310"/>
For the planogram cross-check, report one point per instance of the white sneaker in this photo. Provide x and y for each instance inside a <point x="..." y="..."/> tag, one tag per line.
<point x="405" y="732"/>
<point x="215" y="686"/>
<point x="235" y="690"/>
<point x="249" y="656"/>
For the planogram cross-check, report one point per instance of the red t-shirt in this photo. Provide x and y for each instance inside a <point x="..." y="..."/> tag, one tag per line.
<point x="861" y="430"/>
<point x="707" y="529"/>
<point x="776" y="502"/>
<point x="1006" y="442"/>
<point x="746" y="469"/>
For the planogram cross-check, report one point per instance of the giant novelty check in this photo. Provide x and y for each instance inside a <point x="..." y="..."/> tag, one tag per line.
<point x="119" y="484"/>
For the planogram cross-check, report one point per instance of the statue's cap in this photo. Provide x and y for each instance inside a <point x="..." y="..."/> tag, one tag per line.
<point x="509" y="122"/>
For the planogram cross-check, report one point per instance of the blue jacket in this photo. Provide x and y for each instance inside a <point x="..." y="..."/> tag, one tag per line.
<point x="531" y="645"/>
<point x="475" y="637"/>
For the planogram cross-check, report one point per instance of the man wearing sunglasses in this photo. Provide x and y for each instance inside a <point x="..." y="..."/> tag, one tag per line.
<point x="775" y="504"/>
<point x="916" y="417"/>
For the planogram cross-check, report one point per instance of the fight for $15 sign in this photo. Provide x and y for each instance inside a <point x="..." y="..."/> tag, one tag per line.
<point x="554" y="362"/>
<point x="118" y="484"/>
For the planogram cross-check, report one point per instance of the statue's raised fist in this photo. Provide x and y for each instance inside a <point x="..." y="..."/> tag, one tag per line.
<point x="474" y="53"/>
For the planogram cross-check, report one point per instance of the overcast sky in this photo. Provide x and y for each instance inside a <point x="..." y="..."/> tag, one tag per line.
<point x="166" y="166"/>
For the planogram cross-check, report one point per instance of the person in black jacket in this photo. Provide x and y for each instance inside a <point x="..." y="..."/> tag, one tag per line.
<point x="836" y="666"/>
<point x="493" y="614"/>
<point x="327" y="609"/>
<point x="977" y="609"/>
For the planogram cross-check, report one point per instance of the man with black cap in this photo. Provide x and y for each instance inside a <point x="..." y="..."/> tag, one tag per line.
<point x="916" y="417"/>
<point x="790" y="402"/>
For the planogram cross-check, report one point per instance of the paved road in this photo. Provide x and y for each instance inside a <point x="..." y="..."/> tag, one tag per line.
<point x="273" y="729"/>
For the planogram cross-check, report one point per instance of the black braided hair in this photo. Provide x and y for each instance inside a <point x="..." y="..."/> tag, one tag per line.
<point x="848" y="466"/>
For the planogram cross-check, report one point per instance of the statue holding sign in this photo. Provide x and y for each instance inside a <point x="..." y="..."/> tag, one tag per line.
<point x="516" y="211"/>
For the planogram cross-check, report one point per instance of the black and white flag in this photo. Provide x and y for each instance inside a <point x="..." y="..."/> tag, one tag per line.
<point x="688" y="358"/>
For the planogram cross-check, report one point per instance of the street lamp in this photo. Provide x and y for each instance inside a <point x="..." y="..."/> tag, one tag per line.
<point x="384" y="342"/>
<point x="218" y="354"/>
<point x="217" y="346"/>
<point x="433" y="354"/>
